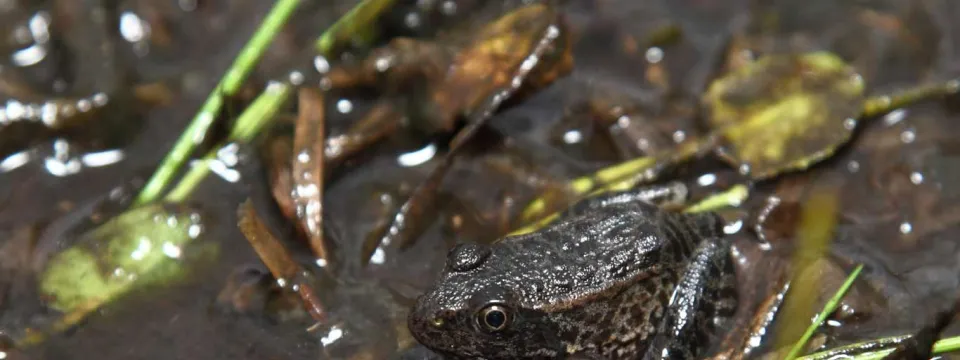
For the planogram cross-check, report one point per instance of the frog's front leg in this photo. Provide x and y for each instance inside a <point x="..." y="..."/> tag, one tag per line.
<point x="674" y="193"/>
<point x="703" y="300"/>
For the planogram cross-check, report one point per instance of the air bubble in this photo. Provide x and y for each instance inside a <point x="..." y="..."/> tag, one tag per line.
<point x="344" y="106"/>
<point x="194" y="231"/>
<point x="572" y="137"/>
<point x="321" y="64"/>
<point x="679" y="136"/>
<point x="849" y="123"/>
<point x="953" y="85"/>
<point x="643" y="144"/>
<point x="378" y="257"/>
<point x="448" y="8"/>
<point x="296" y="78"/>
<point x="14" y="110"/>
<point x="908" y="136"/>
<point x="906" y="228"/>
<point x="84" y="105"/>
<point x="68" y="110"/>
<point x="654" y="55"/>
<point x="916" y="178"/>
<point x="853" y="166"/>
<point x="707" y="179"/>
<point x="383" y="63"/>
<point x="894" y="117"/>
<point x="412" y="20"/>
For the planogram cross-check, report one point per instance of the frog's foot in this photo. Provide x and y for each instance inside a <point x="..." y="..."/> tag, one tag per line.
<point x="705" y="299"/>
<point x="674" y="193"/>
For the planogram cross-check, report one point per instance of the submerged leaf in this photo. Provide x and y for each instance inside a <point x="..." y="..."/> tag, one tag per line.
<point x="784" y="112"/>
<point x="130" y="249"/>
<point x="531" y="42"/>
<point x="539" y="38"/>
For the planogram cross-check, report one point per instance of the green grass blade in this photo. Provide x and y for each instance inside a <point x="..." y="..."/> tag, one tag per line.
<point x="262" y="111"/>
<point x="731" y="197"/>
<point x="822" y="316"/>
<point x="197" y="130"/>
<point x="943" y="346"/>
<point x="258" y="115"/>
<point x="351" y="23"/>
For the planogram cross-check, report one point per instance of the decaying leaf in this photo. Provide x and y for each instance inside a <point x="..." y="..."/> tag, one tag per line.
<point x="784" y="112"/>
<point x="457" y="73"/>
<point x="491" y="62"/>
<point x="132" y="248"/>
<point x="541" y="37"/>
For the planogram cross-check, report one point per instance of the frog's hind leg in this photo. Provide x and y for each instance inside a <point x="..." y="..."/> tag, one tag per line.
<point x="703" y="301"/>
<point x="674" y="193"/>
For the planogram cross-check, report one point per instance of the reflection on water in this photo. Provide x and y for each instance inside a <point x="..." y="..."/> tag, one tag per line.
<point x="899" y="177"/>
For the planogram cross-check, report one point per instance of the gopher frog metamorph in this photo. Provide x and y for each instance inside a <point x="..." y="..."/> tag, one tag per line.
<point x="615" y="278"/>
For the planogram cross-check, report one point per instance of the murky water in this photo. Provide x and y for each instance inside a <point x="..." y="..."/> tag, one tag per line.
<point x="94" y="96"/>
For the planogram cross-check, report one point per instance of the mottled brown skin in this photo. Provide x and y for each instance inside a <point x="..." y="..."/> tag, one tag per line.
<point x="615" y="278"/>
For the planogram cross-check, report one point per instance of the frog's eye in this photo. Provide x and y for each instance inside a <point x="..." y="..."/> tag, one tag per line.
<point x="493" y="318"/>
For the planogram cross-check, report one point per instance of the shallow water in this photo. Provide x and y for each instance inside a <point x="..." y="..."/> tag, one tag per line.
<point x="899" y="200"/>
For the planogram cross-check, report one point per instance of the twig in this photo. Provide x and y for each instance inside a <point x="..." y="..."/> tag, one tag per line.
<point x="278" y="260"/>
<point x="307" y="174"/>
<point x="880" y="104"/>
<point x="617" y="177"/>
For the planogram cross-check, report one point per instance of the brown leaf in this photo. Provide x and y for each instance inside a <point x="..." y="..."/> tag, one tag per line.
<point x="494" y="57"/>
<point x="408" y="222"/>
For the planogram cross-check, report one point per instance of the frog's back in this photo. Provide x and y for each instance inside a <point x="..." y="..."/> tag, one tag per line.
<point x="605" y="277"/>
<point x="589" y="253"/>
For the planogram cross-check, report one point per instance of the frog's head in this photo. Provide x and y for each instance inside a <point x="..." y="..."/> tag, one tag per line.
<point x="475" y="310"/>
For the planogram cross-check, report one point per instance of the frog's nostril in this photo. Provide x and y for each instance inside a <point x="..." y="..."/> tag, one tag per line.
<point x="440" y="318"/>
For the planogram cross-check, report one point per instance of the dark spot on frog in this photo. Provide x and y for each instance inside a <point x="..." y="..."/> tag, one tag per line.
<point x="615" y="278"/>
<point x="466" y="257"/>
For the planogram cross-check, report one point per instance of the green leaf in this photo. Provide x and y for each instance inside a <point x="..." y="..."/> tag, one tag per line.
<point x="784" y="112"/>
<point x="139" y="246"/>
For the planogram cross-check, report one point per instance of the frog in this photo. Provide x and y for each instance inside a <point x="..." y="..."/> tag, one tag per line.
<point x="616" y="276"/>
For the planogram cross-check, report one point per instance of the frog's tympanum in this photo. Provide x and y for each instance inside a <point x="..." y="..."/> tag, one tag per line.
<point x="615" y="278"/>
